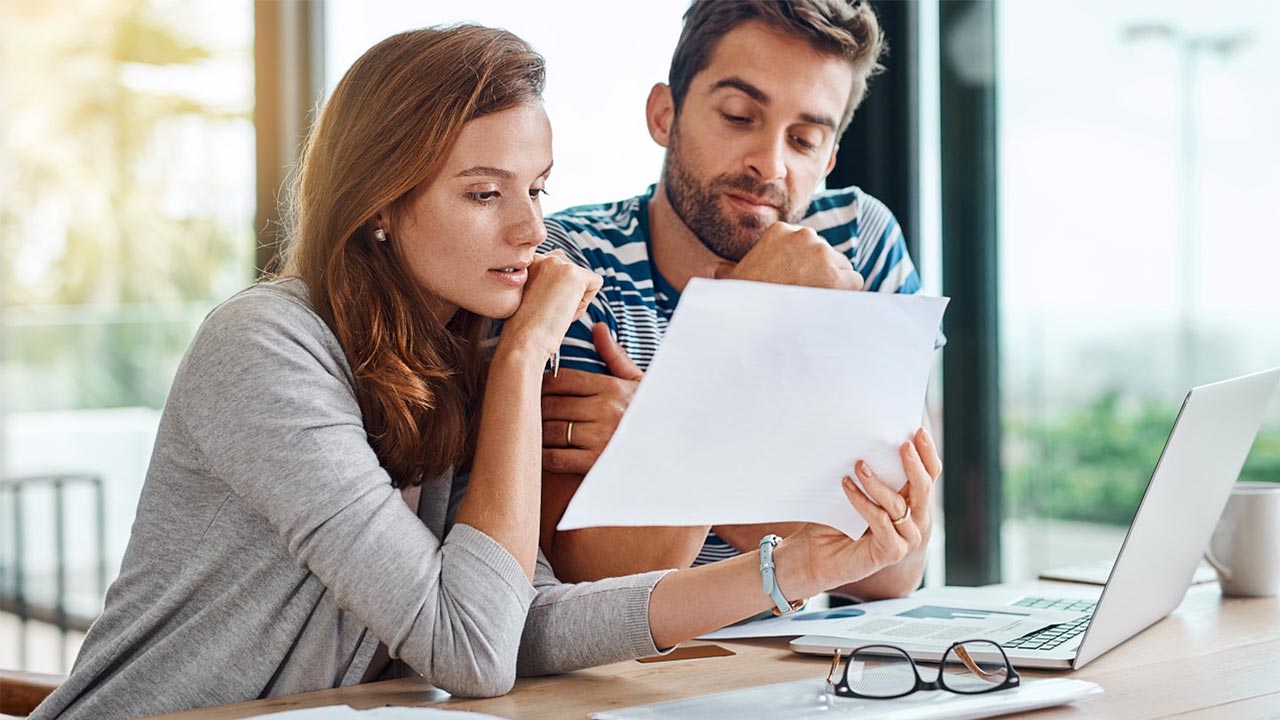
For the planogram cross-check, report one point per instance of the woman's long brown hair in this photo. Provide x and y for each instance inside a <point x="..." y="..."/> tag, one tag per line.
<point x="382" y="136"/>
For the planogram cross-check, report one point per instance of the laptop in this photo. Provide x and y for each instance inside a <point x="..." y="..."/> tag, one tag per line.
<point x="1185" y="496"/>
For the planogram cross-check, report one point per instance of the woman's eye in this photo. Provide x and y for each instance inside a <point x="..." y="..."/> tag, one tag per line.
<point x="483" y="196"/>
<point x="736" y="119"/>
<point x="535" y="192"/>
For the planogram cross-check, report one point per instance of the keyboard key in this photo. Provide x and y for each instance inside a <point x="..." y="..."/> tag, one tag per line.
<point x="1050" y="637"/>
<point x="1047" y="603"/>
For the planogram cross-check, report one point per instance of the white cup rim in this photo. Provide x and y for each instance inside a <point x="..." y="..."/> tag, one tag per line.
<point x="1255" y="487"/>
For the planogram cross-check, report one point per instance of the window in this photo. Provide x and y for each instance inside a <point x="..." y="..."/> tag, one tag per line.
<point x="126" y="213"/>
<point x="1137" y="251"/>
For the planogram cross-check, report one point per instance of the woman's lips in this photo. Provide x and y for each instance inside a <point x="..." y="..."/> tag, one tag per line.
<point x="515" y="277"/>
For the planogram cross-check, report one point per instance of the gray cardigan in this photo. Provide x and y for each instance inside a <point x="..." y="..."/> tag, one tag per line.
<point x="270" y="553"/>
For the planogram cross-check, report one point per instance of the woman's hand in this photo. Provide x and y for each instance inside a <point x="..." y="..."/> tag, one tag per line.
<point x="897" y="523"/>
<point x="813" y="559"/>
<point x="557" y="294"/>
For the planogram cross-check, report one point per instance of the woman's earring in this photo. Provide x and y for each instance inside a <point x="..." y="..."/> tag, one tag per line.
<point x="380" y="235"/>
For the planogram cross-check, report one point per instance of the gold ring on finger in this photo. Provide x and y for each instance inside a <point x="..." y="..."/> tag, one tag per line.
<point x="568" y="435"/>
<point x="905" y="517"/>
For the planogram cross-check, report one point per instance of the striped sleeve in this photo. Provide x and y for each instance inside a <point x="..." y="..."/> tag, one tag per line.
<point x="578" y="351"/>
<point x="714" y="549"/>
<point x="882" y="256"/>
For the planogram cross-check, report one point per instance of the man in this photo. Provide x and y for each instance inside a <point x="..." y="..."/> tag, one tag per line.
<point x="759" y="93"/>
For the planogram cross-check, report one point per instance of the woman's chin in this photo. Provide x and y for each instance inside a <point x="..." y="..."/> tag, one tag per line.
<point x="497" y="308"/>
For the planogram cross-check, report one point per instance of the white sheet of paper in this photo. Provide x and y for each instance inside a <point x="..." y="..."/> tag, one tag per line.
<point x="808" y="700"/>
<point x="903" y="621"/>
<point x="346" y="712"/>
<point x="759" y="400"/>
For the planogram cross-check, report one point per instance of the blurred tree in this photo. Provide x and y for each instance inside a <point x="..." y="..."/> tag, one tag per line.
<point x="119" y="223"/>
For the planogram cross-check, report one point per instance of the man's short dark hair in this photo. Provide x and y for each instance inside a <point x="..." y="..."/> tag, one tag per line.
<point x="847" y="29"/>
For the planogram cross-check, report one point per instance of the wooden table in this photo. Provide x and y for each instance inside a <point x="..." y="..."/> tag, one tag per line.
<point x="1213" y="657"/>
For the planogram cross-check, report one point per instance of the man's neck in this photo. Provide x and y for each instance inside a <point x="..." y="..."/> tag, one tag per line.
<point x="678" y="254"/>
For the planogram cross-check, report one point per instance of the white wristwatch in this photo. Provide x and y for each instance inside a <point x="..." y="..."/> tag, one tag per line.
<point x="769" y="577"/>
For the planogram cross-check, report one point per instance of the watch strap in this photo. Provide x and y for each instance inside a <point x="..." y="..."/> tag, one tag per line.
<point x="769" y="577"/>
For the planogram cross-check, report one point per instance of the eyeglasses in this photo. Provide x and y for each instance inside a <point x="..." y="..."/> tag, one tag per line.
<point x="882" y="672"/>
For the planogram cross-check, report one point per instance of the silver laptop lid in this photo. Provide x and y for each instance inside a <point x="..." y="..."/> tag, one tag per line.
<point x="1201" y="460"/>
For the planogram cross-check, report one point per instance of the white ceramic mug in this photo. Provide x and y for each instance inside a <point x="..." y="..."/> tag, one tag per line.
<point x="1245" y="548"/>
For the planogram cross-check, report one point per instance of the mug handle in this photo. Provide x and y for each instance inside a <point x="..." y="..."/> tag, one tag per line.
<point x="1224" y="571"/>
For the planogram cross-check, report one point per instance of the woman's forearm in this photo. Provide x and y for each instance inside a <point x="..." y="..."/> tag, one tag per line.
<point x="503" y="496"/>
<point x="679" y="607"/>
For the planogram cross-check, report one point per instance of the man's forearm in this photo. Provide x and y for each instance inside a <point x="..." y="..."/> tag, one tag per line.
<point x="597" y="553"/>
<point x="898" y="580"/>
<point x="745" y="538"/>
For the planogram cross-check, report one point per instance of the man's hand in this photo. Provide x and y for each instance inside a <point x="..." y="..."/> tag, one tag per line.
<point x="794" y="255"/>
<point x="594" y="403"/>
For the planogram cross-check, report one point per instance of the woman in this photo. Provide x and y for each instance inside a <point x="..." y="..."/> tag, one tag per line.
<point x="303" y="521"/>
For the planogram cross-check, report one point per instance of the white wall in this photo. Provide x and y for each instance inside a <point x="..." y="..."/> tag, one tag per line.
<point x="602" y="59"/>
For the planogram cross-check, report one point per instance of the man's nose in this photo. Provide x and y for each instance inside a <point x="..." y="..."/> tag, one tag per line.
<point x="767" y="159"/>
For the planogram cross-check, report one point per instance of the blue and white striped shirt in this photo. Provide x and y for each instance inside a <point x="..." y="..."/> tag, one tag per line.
<point x="637" y="302"/>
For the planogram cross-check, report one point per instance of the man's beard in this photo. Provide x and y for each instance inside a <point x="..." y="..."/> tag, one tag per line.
<point x="700" y="208"/>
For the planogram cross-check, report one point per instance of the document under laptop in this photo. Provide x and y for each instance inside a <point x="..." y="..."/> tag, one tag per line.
<point x="915" y="620"/>
<point x="1185" y="496"/>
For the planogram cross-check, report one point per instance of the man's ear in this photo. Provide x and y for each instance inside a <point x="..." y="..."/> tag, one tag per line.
<point x="831" y="161"/>
<point x="660" y="113"/>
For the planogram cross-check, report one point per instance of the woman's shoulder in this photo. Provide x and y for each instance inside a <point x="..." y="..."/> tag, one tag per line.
<point x="285" y="299"/>
<point x="267" y="307"/>
<point x="268" y="319"/>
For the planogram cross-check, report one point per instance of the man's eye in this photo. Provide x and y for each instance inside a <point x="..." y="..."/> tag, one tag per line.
<point x="736" y="119"/>
<point x="803" y="144"/>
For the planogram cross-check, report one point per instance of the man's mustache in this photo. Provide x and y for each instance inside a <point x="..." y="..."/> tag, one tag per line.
<point x="768" y="192"/>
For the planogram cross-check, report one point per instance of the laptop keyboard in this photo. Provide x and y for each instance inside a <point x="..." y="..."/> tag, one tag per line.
<point x="1048" y="603"/>
<point x="1054" y="635"/>
<point x="1050" y="637"/>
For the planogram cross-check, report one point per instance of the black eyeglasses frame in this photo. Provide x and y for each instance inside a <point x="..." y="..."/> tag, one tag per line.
<point x="842" y="688"/>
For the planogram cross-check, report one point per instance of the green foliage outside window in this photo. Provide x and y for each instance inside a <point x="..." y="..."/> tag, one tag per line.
<point x="1092" y="462"/>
